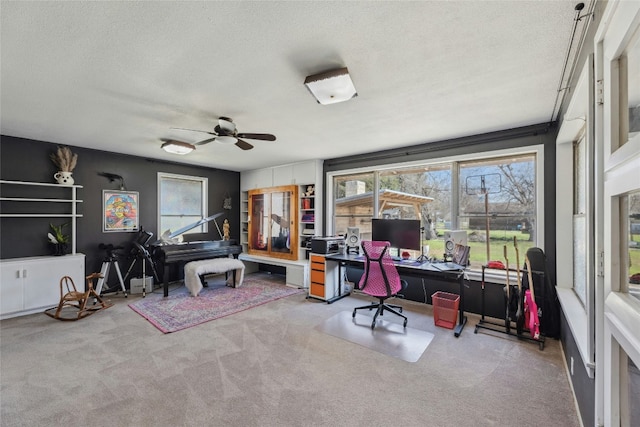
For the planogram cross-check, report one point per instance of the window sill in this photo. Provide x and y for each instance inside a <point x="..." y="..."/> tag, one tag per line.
<point x="577" y="319"/>
<point x="491" y="276"/>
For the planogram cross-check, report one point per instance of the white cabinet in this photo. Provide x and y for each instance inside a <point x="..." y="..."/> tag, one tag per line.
<point x="32" y="284"/>
<point x="257" y="178"/>
<point x="297" y="173"/>
<point x="282" y="175"/>
<point x="11" y="298"/>
<point x="29" y="285"/>
<point x="307" y="172"/>
<point x="289" y="174"/>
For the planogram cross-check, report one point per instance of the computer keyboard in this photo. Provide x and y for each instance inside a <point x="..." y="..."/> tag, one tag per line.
<point x="446" y="266"/>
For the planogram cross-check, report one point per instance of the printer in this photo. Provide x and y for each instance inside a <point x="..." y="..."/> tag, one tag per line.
<point x="327" y="245"/>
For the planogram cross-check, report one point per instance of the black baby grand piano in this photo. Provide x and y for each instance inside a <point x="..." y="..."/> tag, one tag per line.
<point x="168" y="250"/>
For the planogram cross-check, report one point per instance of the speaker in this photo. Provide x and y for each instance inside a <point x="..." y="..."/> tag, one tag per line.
<point x="453" y="238"/>
<point x="135" y="285"/>
<point x="353" y="238"/>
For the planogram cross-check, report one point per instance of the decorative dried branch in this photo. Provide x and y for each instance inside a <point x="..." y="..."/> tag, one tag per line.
<point x="64" y="159"/>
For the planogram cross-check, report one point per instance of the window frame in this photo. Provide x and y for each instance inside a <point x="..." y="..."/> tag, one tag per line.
<point x="577" y="123"/>
<point x="537" y="150"/>
<point x="619" y="313"/>
<point x="204" y="182"/>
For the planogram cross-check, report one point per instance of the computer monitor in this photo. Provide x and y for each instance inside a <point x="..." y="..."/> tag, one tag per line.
<point x="400" y="233"/>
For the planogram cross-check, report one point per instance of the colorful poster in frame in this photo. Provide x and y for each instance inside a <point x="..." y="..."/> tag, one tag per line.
<point x="120" y="211"/>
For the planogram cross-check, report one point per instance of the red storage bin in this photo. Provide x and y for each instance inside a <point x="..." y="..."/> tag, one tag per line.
<point x="445" y="309"/>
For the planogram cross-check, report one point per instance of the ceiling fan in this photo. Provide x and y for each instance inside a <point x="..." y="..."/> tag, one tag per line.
<point x="225" y="132"/>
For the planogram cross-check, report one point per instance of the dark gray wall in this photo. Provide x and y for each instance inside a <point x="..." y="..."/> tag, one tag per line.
<point x="28" y="160"/>
<point x="583" y="386"/>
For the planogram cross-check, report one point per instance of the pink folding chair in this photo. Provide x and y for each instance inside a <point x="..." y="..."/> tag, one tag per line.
<point x="380" y="279"/>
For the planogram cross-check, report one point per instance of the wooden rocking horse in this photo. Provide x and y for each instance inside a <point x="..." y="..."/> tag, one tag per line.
<point x="76" y="300"/>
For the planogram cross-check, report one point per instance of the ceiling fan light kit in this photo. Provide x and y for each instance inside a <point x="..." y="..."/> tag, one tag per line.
<point x="177" y="147"/>
<point x="224" y="139"/>
<point x="332" y="86"/>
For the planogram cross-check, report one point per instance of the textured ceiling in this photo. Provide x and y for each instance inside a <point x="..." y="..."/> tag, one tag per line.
<point x="117" y="76"/>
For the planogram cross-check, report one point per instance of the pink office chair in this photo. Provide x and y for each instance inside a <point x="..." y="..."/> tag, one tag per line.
<point x="380" y="279"/>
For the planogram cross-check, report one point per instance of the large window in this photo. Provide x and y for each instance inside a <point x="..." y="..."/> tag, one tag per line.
<point x="422" y="192"/>
<point x="497" y="202"/>
<point x="493" y="199"/>
<point x="353" y="203"/>
<point x="182" y="200"/>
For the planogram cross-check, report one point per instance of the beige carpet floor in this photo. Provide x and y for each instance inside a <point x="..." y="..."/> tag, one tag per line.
<point x="270" y="366"/>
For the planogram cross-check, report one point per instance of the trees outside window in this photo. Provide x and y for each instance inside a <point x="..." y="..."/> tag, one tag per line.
<point x="498" y="196"/>
<point x="497" y="192"/>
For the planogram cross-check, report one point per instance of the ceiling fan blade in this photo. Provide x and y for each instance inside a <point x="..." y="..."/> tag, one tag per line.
<point x="206" y="141"/>
<point x="195" y="130"/>
<point x="244" y="145"/>
<point x="261" y="136"/>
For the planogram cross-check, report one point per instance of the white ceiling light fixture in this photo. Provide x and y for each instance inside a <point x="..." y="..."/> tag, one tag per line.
<point x="332" y="86"/>
<point x="177" y="147"/>
<point x="226" y="139"/>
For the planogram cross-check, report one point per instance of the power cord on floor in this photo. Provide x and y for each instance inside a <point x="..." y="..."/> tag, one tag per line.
<point x="424" y="290"/>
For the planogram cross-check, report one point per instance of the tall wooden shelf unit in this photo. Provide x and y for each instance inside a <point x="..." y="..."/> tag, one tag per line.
<point x="244" y="221"/>
<point x="307" y="226"/>
<point x="299" y="175"/>
<point x="273" y="222"/>
<point x="308" y="208"/>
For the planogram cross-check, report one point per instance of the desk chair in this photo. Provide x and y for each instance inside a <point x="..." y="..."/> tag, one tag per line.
<point x="380" y="279"/>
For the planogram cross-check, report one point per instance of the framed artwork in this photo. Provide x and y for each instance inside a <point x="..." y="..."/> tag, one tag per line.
<point x="120" y="211"/>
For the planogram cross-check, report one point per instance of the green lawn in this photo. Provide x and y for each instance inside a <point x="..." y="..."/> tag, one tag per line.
<point x="500" y="238"/>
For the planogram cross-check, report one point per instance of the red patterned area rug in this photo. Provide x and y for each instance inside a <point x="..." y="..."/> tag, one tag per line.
<point x="180" y="310"/>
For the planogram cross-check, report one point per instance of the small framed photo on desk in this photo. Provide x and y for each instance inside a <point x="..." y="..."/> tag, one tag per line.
<point x="461" y="255"/>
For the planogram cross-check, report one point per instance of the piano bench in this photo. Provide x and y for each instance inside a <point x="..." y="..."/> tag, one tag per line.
<point x="195" y="269"/>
